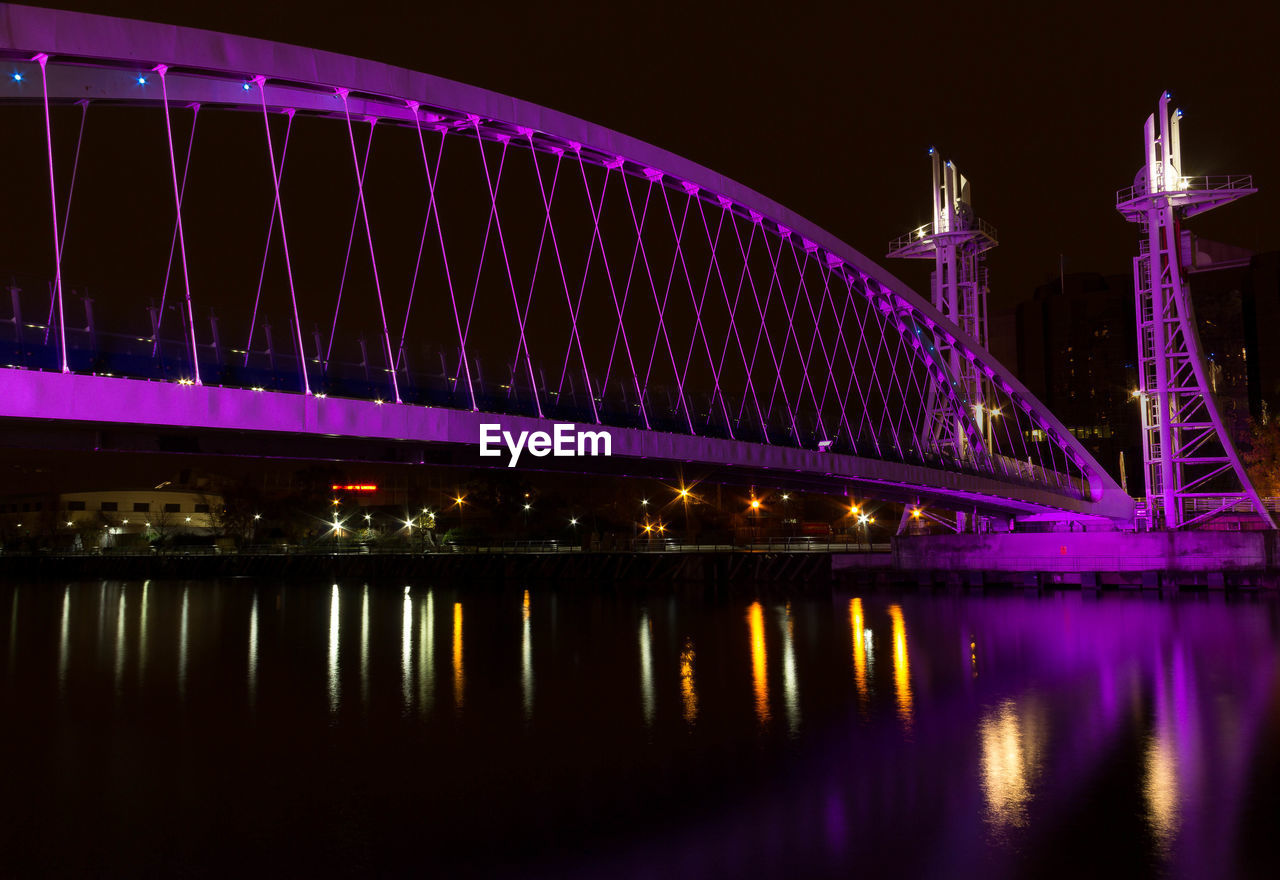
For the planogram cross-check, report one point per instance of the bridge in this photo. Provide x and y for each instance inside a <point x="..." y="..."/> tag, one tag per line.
<point x="227" y="245"/>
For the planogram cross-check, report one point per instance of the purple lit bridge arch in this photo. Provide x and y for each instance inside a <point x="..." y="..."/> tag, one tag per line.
<point x="290" y="250"/>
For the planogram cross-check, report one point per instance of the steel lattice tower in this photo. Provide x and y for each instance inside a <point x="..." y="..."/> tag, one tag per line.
<point x="957" y="242"/>
<point x="1193" y="471"/>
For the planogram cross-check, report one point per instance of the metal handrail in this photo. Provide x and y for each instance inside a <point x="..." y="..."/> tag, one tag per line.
<point x="1201" y="183"/>
<point x="920" y="233"/>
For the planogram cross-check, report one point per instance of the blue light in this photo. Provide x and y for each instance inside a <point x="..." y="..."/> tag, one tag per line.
<point x="17" y="77"/>
<point x="142" y="80"/>
<point x="245" y="87"/>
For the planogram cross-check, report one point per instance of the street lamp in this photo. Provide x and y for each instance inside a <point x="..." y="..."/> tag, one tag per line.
<point x="684" y="496"/>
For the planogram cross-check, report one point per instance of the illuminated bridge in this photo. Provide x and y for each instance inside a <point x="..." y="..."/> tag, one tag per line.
<point x="227" y="245"/>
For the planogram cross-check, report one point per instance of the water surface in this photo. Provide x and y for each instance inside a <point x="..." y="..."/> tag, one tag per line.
<point x="212" y="727"/>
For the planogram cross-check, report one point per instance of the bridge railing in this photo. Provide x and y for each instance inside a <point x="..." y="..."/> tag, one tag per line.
<point x="603" y="283"/>
<point x="165" y="358"/>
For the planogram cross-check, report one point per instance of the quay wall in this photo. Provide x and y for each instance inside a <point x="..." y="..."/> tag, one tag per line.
<point x="1089" y="551"/>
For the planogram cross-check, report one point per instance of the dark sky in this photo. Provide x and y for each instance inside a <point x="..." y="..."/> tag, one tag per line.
<point x="829" y="108"/>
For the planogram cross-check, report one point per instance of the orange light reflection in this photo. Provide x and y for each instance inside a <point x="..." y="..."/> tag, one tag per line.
<point x="759" y="667"/>
<point x="901" y="665"/>
<point x="858" y="624"/>
<point x="458" y="679"/>
<point x="687" y="688"/>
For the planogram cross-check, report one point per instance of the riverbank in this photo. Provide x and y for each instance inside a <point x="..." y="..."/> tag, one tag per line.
<point x="1093" y="560"/>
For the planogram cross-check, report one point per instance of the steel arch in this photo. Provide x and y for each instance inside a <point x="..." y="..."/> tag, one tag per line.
<point x="856" y="338"/>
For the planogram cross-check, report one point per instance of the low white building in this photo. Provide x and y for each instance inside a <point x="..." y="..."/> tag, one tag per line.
<point x="100" y="518"/>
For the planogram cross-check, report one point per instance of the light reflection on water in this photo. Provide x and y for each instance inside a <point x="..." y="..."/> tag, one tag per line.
<point x="64" y="640"/>
<point x="1066" y="683"/>
<point x="459" y="681"/>
<point x="426" y="655"/>
<point x="253" y="651"/>
<point x="406" y="653"/>
<point x="1012" y="739"/>
<point x="790" y="685"/>
<point x="688" y="687"/>
<point x="142" y="631"/>
<point x="526" y="657"/>
<point x="335" y="623"/>
<point x="120" y="643"/>
<point x="646" y="668"/>
<point x="182" y="642"/>
<point x="859" y="635"/>
<point x="364" y="647"/>
<point x="901" y="665"/>
<point x="759" y="661"/>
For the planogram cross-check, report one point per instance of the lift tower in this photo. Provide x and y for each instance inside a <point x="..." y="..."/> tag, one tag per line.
<point x="956" y="241"/>
<point x="1193" y="471"/>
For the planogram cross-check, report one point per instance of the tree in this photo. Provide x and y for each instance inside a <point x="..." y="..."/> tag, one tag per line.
<point x="1260" y="451"/>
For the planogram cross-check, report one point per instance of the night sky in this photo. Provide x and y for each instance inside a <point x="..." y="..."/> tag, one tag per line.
<point x="830" y="109"/>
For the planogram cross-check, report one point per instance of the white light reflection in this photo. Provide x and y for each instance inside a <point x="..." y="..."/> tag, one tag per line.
<point x="253" y="651"/>
<point x="142" y="632"/>
<point x="334" y="685"/>
<point x="364" y="648"/>
<point x="406" y="653"/>
<point x="1012" y="745"/>
<point x="790" y="687"/>
<point x="1160" y="787"/>
<point x="526" y="660"/>
<point x="13" y="630"/>
<point x="64" y="646"/>
<point x="646" y="668"/>
<point x="426" y="655"/>
<point x="120" y="645"/>
<point x="1168" y="762"/>
<point x="182" y="644"/>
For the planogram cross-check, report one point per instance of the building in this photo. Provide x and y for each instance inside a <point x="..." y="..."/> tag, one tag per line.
<point x="97" y="519"/>
<point x="1075" y="347"/>
<point x="1077" y="352"/>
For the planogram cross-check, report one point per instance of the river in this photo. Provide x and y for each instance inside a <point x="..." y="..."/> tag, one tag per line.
<point x="211" y="728"/>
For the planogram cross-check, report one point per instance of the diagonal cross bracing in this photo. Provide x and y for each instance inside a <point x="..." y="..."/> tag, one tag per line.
<point x="368" y="232"/>
<point x="162" y="69"/>
<point x="887" y="380"/>
<point x="277" y="174"/>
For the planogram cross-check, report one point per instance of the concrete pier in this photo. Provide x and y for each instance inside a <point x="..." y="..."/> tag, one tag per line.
<point x="1209" y="559"/>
